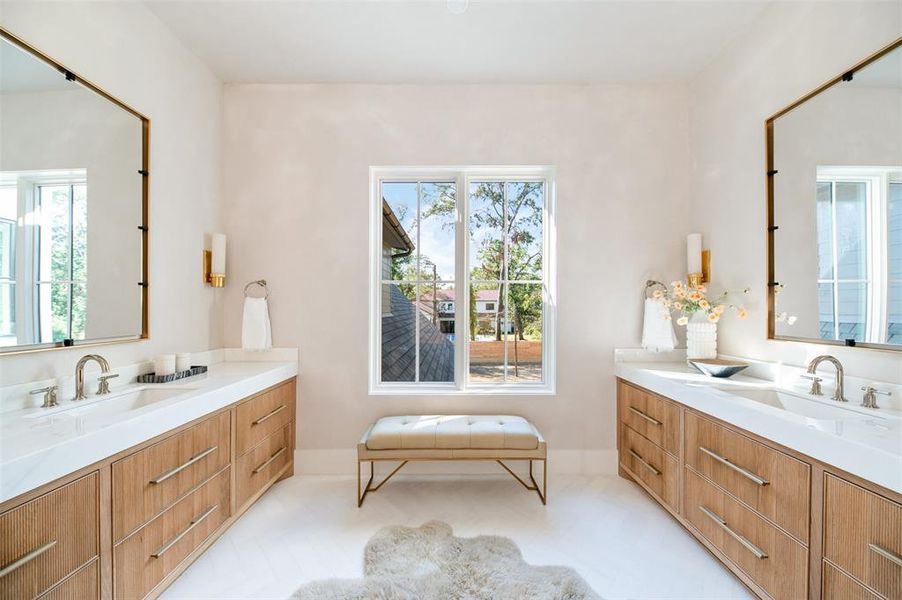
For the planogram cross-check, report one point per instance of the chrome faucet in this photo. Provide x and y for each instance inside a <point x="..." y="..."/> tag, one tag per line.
<point x="103" y="386"/>
<point x="812" y="369"/>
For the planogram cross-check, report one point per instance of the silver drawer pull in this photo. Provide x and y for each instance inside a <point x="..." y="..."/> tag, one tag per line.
<point x="887" y="554"/>
<point x="644" y="463"/>
<point x="651" y="420"/>
<point x="758" y="552"/>
<point x="26" y="558"/>
<point x="268" y="415"/>
<point x="194" y="523"/>
<point x="269" y="460"/>
<point x="725" y="461"/>
<point x="182" y="467"/>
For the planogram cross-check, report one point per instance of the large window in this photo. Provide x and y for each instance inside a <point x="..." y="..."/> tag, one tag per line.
<point x="462" y="286"/>
<point x="859" y="233"/>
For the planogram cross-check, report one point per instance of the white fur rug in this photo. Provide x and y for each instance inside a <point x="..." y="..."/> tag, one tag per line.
<point x="429" y="563"/>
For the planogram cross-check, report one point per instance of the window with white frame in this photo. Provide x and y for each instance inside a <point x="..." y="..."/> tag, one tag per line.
<point x="462" y="296"/>
<point x="859" y="240"/>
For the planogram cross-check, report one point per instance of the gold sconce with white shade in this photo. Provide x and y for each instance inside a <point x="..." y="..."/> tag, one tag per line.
<point x="698" y="261"/>
<point x="215" y="261"/>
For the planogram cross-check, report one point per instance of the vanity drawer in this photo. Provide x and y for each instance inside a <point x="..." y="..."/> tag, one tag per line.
<point x="46" y="539"/>
<point x="150" y="480"/>
<point x="652" y="416"/>
<point x="863" y="535"/>
<point x="143" y="559"/>
<point x="773" y="483"/>
<point x="263" y="415"/>
<point x="659" y="471"/>
<point x="257" y="468"/>
<point x="80" y="586"/>
<point x="839" y="586"/>
<point x="772" y="559"/>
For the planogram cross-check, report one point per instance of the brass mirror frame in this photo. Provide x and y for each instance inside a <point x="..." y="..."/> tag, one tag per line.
<point x="772" y="283"/>
<point x="145" y="188"/>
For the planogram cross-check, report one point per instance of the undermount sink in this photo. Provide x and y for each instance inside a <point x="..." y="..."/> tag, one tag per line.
<point x="800" y="405"/>
<point x="115" y="404"/>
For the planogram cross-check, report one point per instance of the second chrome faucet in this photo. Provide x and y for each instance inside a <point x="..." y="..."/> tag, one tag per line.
<point x="103" y="386"/>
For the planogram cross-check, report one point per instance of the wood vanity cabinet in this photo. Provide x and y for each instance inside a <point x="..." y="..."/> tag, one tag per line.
<point x="785" y="524"/>
<point x="127" y="527"/>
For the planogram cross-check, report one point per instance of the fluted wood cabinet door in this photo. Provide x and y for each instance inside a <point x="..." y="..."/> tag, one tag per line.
<point x="48" y="538"/>
<point x="863" y="535"/>
<point x="82" y="584"/>
<point x="651" y="416"/>
<point x="263" y="415"/>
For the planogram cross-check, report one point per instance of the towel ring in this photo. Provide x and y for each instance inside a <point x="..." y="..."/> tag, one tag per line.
<point x="650" y="285"/>
<point x="261" y="283"/>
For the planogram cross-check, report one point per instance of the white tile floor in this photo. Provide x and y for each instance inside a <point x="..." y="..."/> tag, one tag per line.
<point x="606" y="528"/>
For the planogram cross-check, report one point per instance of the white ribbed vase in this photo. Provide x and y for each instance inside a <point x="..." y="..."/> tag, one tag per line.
<point x="701" y="337"/>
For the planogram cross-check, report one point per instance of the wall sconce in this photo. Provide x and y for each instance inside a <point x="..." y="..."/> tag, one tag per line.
<point x="215" y="261"/>
<point x="698" y="261"/>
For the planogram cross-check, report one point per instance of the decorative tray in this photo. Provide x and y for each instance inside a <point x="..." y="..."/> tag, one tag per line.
<point x="154" y="378"/>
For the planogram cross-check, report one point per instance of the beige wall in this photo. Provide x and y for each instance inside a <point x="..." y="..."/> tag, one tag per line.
<point x="296" y="160"/>
<point x="790" y="50"/>
<point x="124" y="49"/>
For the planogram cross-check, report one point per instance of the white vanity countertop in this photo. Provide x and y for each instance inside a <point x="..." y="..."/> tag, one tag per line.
<point x="869" y="445"/>
<point x="38" y="448"/>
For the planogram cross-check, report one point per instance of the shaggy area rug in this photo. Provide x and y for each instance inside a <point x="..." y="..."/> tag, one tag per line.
<point x="429" y="563"/>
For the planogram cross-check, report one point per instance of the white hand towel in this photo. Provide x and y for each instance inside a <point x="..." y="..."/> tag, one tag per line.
<point x="256" y="331"/>
<point x="657" y="329"/>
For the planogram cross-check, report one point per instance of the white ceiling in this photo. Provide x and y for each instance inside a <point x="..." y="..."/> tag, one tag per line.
<point x="421" y="41"/>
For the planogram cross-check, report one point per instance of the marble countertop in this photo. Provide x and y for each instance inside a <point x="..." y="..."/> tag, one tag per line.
<point x="40" y="445"/>
<point x="868" y="444"/>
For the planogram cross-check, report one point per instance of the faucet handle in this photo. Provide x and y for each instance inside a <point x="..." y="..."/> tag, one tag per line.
<point x="49" y="396"/>
<point x="815" y="384"/>
<point x="870" y="396"/>
<point x="103" y="386"/>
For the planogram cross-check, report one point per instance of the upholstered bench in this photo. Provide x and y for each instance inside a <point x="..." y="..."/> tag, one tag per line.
<point x="496" y="438"/>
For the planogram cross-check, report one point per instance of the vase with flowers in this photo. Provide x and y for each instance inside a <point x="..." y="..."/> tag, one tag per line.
<point x="699" y="314"/>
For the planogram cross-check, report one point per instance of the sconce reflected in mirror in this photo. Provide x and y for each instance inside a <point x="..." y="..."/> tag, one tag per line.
<point x="215" y="261"/>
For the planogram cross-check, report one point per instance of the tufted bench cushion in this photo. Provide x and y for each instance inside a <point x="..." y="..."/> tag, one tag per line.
<point x="453" y="432"/>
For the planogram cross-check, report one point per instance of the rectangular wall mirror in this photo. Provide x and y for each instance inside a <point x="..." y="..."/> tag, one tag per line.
<point x="73" y="207"/>
<point x="835" y="209"/>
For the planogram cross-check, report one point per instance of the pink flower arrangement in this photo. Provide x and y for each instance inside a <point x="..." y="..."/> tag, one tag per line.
<point x="687" y="301"/>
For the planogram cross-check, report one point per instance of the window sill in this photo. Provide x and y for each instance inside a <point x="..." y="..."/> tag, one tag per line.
<point x="489" y="390"/>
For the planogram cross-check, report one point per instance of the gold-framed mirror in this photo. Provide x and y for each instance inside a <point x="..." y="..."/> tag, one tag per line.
<point x="834" y="209"/>
<point x="74" y="177"/>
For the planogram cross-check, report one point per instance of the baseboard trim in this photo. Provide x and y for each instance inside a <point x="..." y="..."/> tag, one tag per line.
<point x="560" y="462"/>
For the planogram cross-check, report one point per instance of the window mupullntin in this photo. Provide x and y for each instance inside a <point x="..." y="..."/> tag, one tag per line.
<point x="462" y="286"/>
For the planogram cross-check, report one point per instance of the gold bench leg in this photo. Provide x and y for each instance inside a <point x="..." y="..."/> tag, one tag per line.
<point x="369" y="484"/>
<point x="535" y="486"/>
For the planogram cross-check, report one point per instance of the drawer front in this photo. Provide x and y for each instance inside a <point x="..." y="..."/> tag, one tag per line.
<point x="149" y="481"/>
<point x="263" y="415"/>
<point x="46" y="539"/>
<point x="257" y="468"/>
<point x="655" y="418"/>
<point x="83" y="585"/>
<point x="839" y="586"/>
<point x="143" y="559"/>
<point x="863" y="535"/>
<point x="773" y="483"/>
<point x="772" y="559"/>
<point x="657" y="469"/>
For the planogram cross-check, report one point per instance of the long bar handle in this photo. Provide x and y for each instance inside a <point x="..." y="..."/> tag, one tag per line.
<point x="726" y="461"/>
<point x="721" y="522"/>
<point x="194" y="523"/>
<point x="269" y="460"/>
<point x="173" y="472"/>
<point x="26" y="558"/>
<point x="887" y="554"/>
<point x="639" y="413"/>
<point x="268" y="415"/>
<point x="644" y="462"/>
